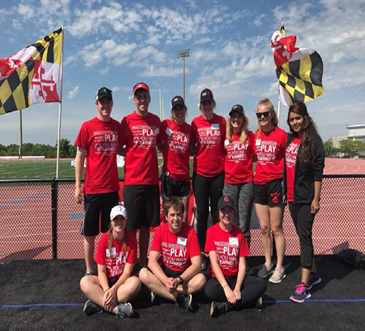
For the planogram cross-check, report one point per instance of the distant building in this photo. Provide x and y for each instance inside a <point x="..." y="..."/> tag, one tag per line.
<point x="336" y="140"/>
<point x="356" y="132"/>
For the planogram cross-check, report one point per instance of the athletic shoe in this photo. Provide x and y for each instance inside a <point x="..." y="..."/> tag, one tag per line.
<point x="91" y="308"/>
<point x="185" y="302"/>
<point x="314" y="279"/>
<point x="265" y="270"/>
<point x="301" y="293"/>
<point x="155" y="299"/>
<point x="218" y="308"/>
<point x="124" y="310"/>
<point x="89" y="272"/>
<point x="259" y="303"/>
<point x="277" y="276"/>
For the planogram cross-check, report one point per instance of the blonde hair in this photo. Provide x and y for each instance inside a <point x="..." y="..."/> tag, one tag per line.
<point x="274" y="119"/>
<point x="110" y="241"/>
<point x="243" y="129"/>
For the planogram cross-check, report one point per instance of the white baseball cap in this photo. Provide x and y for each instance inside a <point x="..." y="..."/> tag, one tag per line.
<point x="118" y="210"/>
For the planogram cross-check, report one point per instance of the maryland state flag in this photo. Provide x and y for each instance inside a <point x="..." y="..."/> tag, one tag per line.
<point x="299" y="70"/>
<point x="31" y="75"/>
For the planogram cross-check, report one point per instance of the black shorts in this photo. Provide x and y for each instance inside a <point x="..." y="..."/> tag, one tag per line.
<point x="169" y="272"/>
<point x="97" y="207"/>
<point x="143" y="206"/>
<point x="112" y="281"/>
<point x="172" y="187"/>
<point x="271" y="193"/>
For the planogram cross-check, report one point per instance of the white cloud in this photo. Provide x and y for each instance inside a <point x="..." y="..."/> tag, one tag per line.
<point x="26" y="11"/>
<point x="72" y="93"/>
<point x="259" y="20"/>
<point x="156" y="71"/>
<point x="16" y="24"/>
<point x="104" y="71"/>
<point x="100" y="20"/>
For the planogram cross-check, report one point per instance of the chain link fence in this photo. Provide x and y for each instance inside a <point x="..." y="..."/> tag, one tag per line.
<point x="41" y="220"/>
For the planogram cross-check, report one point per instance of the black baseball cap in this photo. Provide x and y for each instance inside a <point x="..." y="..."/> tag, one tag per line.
<point x="178" y="100"/>
<point x="103" y="92"/>
<point x="225" y="201"/>
<point x="206" y="95"/>
<point x="238" y="109"/>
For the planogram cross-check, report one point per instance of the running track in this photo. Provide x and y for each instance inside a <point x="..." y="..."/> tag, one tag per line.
<point x="26" y="232"/>
<point x="344" y="167"/>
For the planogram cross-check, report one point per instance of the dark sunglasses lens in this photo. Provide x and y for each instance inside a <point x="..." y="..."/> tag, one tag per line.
<point x="266" y="114"/>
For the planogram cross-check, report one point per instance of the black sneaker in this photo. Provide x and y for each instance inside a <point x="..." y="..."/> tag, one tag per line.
<point x="259" y="304"/>
<point x="265" y="270"/>
<point x="218" y="308"/>
<point x="155" y="299"/>
<point x="91" y="308"/>
<point x="188" y="302"/>
<point x="314" y="279"/>
<point x="125" y="310"/>
<point x="185" y="302"/>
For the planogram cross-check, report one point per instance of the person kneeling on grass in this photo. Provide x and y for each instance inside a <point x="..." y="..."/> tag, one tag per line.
<point x="174" y="265"/>
<point x="229" y="286"/>
<point x="116" y="255"/>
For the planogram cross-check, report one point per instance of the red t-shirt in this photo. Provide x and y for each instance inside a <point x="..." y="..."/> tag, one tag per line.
<point x="238" y="161"/>
<point x="229" y="246"/>
<point x="116" y="259"/>
<point x="176" y="141"/>
<point x="209" y="152"/>
<point x="100" y="140"/>
<point x="139" y="134"/>
<point x="176" y="249"/>
<point x="290" y="160"/>
<point x="270" y="150"/>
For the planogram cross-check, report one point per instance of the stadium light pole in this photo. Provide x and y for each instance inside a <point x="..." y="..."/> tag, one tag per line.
<point x="183" y="54"/>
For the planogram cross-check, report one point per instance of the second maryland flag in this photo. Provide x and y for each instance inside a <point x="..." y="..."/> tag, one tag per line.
<point x="31" y="75"/>
<point x="299" y="70"/>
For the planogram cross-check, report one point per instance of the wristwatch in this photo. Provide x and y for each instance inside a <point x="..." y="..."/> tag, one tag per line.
<point x="181" y="280"/>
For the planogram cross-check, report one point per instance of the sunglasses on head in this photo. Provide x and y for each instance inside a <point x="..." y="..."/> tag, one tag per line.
<point x="265" y="113"/>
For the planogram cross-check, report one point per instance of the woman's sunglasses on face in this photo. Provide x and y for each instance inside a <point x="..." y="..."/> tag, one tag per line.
<point x="265" y="113"/>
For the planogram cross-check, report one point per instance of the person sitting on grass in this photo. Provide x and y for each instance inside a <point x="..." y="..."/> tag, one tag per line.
<point x="116" y="255"/>
<point x="174" y="264"/>
<point x="229" y="286"/>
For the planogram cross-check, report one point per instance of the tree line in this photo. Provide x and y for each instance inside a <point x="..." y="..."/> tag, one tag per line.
<point x="28" y="149"/>
<point x="348" y="148"/>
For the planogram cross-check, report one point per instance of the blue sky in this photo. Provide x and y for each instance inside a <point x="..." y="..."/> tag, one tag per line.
<point x="119" y="43"/>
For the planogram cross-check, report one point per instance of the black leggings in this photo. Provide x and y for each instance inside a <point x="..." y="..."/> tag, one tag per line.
<point x="252" y="288"/>
<point x="206" y="189"/>
<point x="303" y="222"/>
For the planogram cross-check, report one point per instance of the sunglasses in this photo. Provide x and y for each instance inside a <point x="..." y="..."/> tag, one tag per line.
<point x="265" y="113"/>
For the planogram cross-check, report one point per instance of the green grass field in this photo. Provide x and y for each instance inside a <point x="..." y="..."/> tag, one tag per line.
<point x="41" y="169"/>
<point x="46" y="169"/>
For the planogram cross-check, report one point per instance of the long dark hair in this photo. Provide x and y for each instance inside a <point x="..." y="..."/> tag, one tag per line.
<point x="310" y="135"/>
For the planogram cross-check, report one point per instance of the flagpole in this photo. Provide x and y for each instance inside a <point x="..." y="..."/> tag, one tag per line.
<point x="20" y="134"/>
<point x="60" y="110"/>
<point x="279" y="104"/>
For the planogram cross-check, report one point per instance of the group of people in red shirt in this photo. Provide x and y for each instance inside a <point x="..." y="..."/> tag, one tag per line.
<point x="223" y="182"/>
